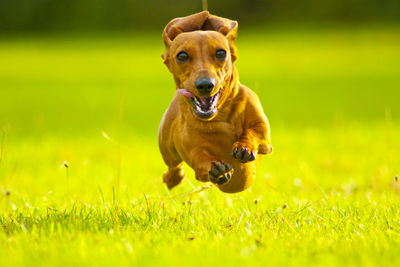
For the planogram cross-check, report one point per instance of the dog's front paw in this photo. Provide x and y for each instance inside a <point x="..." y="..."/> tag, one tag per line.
<point x="243" y="153"/>
<point x="220" y="173"/>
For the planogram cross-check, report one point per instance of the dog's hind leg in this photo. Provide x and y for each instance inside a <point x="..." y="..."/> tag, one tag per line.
<point x="175" y="173"/>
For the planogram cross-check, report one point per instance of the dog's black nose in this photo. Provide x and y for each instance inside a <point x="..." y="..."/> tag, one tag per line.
<point x="205" y="85"/>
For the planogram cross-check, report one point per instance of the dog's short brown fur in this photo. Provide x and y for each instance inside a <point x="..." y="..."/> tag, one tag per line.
<point x="218" y="127"/>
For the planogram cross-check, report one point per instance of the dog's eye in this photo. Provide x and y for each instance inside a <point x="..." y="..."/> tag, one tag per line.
<point x="220" y="54"/>
<point x="182" y="57"/>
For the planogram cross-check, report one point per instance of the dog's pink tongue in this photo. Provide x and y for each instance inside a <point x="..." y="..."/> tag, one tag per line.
<point x="185" y="92"/>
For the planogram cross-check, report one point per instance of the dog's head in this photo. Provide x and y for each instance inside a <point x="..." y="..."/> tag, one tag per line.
<point x="200" y="53"/>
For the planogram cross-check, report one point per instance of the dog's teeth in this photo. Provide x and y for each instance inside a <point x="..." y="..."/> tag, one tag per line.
<point x="205" y="106"/>
<point x="215" y="100"/>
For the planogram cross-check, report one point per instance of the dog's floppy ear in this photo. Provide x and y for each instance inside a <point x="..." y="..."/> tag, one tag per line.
<point x="185" y="24"/>
<point x="225" y="26"/>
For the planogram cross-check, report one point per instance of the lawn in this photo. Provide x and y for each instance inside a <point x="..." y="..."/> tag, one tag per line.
<point x="71" y="196"/>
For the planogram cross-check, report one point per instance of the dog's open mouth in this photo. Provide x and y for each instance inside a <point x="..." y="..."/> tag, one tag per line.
<point x="204" y="107"/>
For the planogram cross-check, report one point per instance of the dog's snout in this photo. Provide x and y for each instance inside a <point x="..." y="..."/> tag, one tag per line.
<point x="205" y="85"/>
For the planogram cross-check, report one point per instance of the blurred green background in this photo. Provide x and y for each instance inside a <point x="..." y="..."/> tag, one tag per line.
<point x="68" y="67"/>
<point x="311" y="62"/>
<point x="28" y="16"/>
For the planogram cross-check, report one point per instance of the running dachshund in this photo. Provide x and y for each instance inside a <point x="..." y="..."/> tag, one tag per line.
<point x="214" y="124"/>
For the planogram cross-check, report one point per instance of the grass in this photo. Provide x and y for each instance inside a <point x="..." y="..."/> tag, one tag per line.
<point x="328" y="195"/>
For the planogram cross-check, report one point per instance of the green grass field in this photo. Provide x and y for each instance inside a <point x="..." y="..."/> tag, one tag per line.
<point x="327" y="196"/>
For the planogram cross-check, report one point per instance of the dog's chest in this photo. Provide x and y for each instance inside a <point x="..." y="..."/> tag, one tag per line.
<point x="223" y="129"/>
<point x="215" y="134"/>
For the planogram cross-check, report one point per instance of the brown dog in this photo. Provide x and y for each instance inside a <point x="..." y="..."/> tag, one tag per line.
<point x="214" y="124"/>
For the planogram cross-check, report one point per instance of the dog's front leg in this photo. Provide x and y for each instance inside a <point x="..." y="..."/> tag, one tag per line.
<point x="209" y="168"/>
<point x="253" y="141"/>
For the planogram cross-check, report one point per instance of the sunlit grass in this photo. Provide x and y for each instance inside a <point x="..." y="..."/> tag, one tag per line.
<point x="328" y="195"/>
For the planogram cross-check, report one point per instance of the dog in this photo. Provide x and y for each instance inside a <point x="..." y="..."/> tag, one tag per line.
<point x="214" y="124"/>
